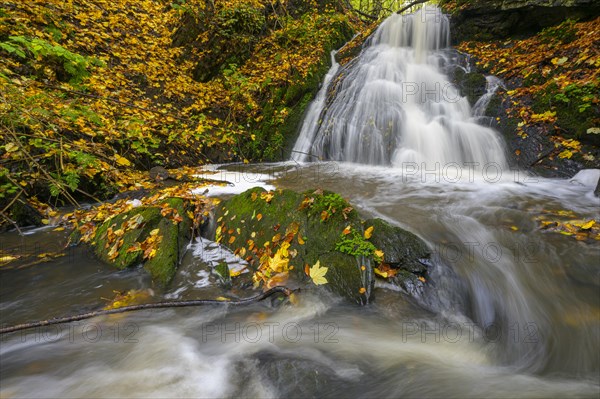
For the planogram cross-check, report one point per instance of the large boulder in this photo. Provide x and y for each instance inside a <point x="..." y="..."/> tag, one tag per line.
<point x="154" y="235"/>
<point x="319" y="227"/>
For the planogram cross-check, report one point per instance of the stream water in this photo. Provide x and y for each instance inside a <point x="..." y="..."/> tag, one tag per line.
<point x="509" y="310"/>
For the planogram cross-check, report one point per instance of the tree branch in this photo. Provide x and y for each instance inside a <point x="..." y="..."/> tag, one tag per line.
<point x="414" y="3"/>
<point x="171" y="304"/>
<point x="359" y="12"/>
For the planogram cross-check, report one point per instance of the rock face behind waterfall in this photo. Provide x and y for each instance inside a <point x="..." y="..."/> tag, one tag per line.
<point x="487" y="19"/>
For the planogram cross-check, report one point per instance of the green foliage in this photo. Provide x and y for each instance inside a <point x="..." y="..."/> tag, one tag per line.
<point x="7" y="188"/>
<point x="75" y="66"/>
<point x="578" y="95"/>
<point x="331" y="203"/>
<point x="242" y="18"/>
<point x="63" y="181"/>
<point x="355" y="244"/>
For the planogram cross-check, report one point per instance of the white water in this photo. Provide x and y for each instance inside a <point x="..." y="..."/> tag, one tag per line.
<point x="395" y="106"/>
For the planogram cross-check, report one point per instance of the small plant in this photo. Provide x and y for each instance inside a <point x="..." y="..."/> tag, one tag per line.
<point x="74" y="66"/>
<point x="355" y="244"/>
<point x="580" y="96"/>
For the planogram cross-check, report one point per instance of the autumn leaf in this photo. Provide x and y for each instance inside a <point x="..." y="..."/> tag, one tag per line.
<point x="588" y="225"/>
<point x="369" y="232"/>
<point x="317" y="274"/>
<point x="380" y="273"/>
<point x="277" y="280"/>
<point x="122" y="160"/>
<point x="284" y="249"/>
<point x="278" y="263"/>
<point x="267" y="196"/>
<point x="347" y="230"/>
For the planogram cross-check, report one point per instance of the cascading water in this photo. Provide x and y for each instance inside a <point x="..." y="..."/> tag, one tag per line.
<point x="394" y="105"/>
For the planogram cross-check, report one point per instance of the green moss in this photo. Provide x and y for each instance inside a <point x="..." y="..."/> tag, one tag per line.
<point x="151" y="217"/>
<point x="163" y="266"/>
<point x="222" y="271"/>
<point x="573" y="105"/>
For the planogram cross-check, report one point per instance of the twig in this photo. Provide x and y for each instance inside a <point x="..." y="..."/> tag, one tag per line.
<point x="158" y="305"/>
<point x="414" y="3"/>
<point x="11" y="222"/>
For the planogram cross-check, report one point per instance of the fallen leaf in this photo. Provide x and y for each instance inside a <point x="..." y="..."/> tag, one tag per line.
<point x="588" y="225"/>
<point x="317" y="274"/>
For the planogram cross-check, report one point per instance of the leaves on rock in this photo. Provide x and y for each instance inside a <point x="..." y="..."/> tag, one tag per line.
<point x="317" y="274"/>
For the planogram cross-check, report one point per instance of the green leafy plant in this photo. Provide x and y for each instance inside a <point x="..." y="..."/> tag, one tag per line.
<point x="75" y="66"/>
<point x="355" y="244"/>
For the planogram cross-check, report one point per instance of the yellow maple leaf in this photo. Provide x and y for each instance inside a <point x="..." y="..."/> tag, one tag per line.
<point x="317" y="273"/>
<point x="369" y="232"/>
<point x="278" y="263"/>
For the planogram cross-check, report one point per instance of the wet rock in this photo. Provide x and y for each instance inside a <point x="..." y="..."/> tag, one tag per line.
<point x="402" y="249"/>
<point x="222" y="271"/>
<point x="297" y="377"/>
<point x="470" y="84"/>
<point x="24" y="214"/>
<point x="314" y="223"/>
<point x="174" y="237"/>
<point x="494" y="19"/>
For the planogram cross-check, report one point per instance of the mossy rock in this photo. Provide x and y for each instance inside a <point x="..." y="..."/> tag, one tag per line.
<point x="402" y="249"/>
<point x="151" y="217"/>
<point x="163" y="265"/>
<point x="471" y="84"/>
<point x="314" y="223"/>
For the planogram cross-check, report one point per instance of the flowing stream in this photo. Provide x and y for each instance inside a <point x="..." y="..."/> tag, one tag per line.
<point x="509" y="310"/>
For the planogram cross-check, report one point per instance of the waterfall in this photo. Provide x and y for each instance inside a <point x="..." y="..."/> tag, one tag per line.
<point x="394" y="105"/>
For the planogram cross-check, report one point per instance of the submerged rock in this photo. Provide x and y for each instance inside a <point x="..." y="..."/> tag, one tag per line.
<point x="319" y="226"/>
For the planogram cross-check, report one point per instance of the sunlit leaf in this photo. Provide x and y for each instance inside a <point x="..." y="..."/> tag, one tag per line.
<point x="317" y="273"/>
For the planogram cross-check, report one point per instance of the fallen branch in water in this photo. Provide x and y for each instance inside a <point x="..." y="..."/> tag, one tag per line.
<point x="158" y="305"/>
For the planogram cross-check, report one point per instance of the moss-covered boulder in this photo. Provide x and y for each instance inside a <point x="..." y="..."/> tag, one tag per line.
<point x="301" y="229"/>
<point x="155" y="235"/>
<point x="471" y="84"/>
<point x="402" y="249"/>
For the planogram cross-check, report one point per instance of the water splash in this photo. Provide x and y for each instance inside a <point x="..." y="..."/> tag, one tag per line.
<point x="394" y="105"/>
